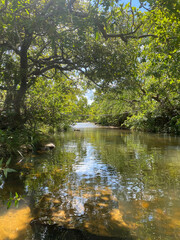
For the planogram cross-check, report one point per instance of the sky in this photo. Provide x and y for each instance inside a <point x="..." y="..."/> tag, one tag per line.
<point x="89" y="95"/>
<point x="135" y="3"/>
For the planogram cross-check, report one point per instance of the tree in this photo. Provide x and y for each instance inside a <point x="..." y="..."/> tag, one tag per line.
<point x="38" y="36"/>
<point x="52" y="102"/>
<point x="152" y="102"/>
<point x="95" y="39"/>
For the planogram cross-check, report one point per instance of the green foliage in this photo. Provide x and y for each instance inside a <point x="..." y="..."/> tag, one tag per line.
<point x="15" y="143"/>
<point x="82" y="109"/>
<point x="4" y="168"/>
<point x="11" y="142"/>
<point x="152" y="101"/>
<point x="54" y="102"/>
<point x="14" y="199"/>
<point x="131" y="56"/>
<point x="40" y="36"/>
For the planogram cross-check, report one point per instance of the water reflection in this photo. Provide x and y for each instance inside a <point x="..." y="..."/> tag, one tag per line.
<point x="109" y="183"/>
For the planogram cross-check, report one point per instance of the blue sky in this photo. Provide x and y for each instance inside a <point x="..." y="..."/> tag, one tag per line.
<point x="135" y="3"/>
<point x="89" y="96"/>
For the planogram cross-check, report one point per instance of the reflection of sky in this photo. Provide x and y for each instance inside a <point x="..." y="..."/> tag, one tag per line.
<point x="90" y="168"/>
<point x="1" y="182"/>
<point x="89" y="176"/>
<point x="89" y="171"/>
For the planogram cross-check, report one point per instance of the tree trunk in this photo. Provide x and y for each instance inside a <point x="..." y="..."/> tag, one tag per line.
<point x="20" y="94"/>
<point x="13" y="115"/>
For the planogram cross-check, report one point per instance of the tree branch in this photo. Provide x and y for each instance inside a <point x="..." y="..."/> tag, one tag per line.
<point x="10" y="46"/>
<point x="70" y="5"/>
<point x="132" y="15"/>
<point x="89" y="77"/>
<point x="143" y="36"/>
<point x="123" y="36"/>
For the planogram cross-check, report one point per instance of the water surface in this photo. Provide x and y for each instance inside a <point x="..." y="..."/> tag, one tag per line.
<point x="106" y="182"/>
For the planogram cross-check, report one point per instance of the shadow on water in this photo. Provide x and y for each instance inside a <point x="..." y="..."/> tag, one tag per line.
<point x="54" y="232"/>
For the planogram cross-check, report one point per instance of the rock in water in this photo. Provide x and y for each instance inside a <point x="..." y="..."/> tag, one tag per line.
<point x="49" y="146"/>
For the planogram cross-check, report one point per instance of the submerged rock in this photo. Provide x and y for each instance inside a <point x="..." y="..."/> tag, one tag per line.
<point x="26" y="148"/>
<point x="44" y="231"/>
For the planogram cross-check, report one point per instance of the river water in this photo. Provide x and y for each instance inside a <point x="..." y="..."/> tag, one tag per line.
<point x="108" y="183"/>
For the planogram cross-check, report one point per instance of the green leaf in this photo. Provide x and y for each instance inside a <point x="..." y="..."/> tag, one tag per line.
<point x="27" y="11"/>
<point x="97" y="35"/>
<point x="8" y="161"/>
<point x="16" y="203"/>
<point x="9" y="204"/>
<point x="5" y="172"/>
<point x="1" y="161"/>
<point x="10" y="170"/>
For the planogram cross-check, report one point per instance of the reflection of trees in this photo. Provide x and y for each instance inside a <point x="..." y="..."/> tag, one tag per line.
<point x="147" y="178"/>
<point x="137" y="161"/>
<point x="59" y="195"/>
<point x="12" y="184"/>
<point x="128" y="190"/>
<point x="148" y="169"/>
<point x="48" y="174"/>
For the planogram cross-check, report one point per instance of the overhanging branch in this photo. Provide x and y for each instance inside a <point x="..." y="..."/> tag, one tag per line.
<point x="9" y="46"/>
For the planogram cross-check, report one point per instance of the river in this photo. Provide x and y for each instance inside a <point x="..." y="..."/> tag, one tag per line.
<point x="98" y="183"/>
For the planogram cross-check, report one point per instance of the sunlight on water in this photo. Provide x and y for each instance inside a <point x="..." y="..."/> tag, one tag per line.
<point x="14" y="222"/>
